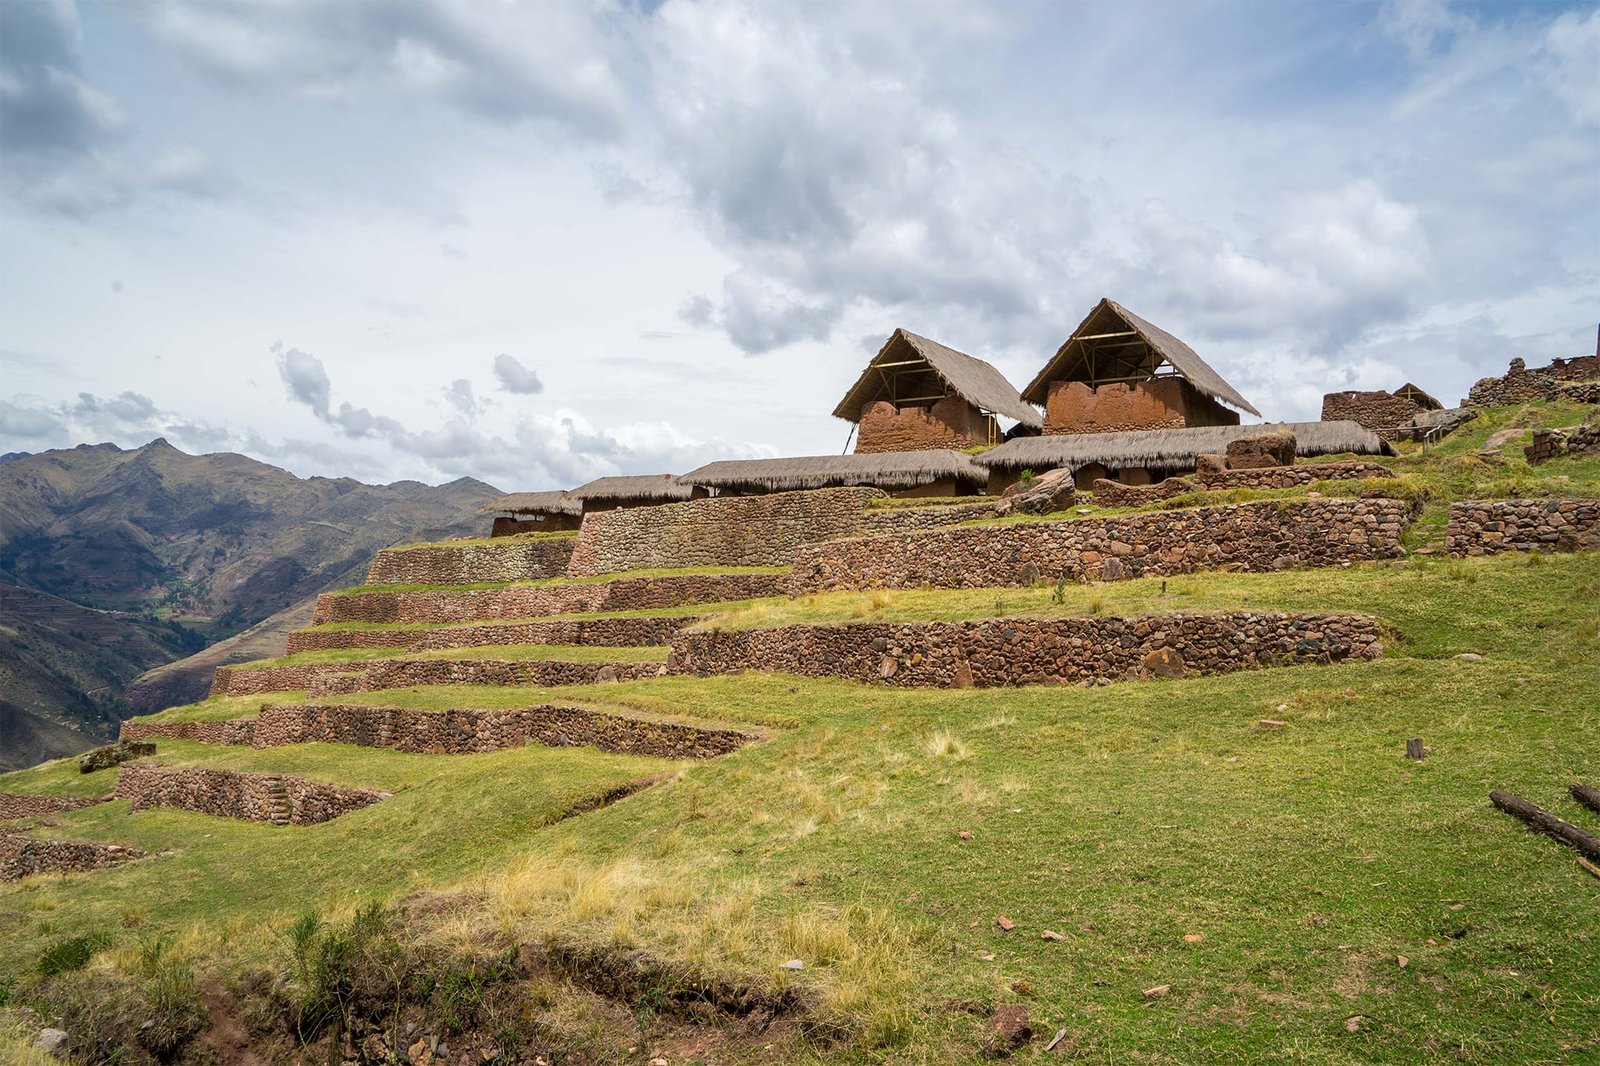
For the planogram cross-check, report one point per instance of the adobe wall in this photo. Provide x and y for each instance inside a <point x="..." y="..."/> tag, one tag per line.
<point x="458" y="732"/>
<point x="513" y="559"/>
<point x="1160" y="403"/>
<point x="246" y="796"/>
<point x="544" y="673"/>
<point x="1487" y="527"/>
<point x="1375" y="410"/>
<point x="725" y="531"/>
<point x="600" y="632"/>
<point x="1271" y="535"/>
<point x="14" y="805"/>
<point x="950" y="423"/>
<point x="991" y="653"/>
<point x="23" y="856"/>
<point x="1519" y="384"/>
<point x="533" y="601"/>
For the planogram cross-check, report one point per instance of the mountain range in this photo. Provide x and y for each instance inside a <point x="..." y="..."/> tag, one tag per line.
<point x="114" y="562"/>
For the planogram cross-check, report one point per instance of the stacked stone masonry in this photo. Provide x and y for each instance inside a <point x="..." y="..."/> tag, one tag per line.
<point x="914" y="519"/>
<point x="1374" y="410"/>
<point x="638" y="631"/>
<point x="227" y="731"/>
<point x="1020" y="651"/>
<point x="280" y="799"/>
<point x="508" y="559"/>
<point x="13" y="805"/>
<point x="1520" y="384"/>
<point x="1115" y="494"/>
<point x="1108" y="493"/>
<point x="1486" y="527"/>
<point x="1551" y="444"/>
<point x="724" y="531"/>
<point x="248" y="680"/>
<point x="1271" y="535"/>
<point x="23" y="856"/>
<point x="543" y="673"/>
<point x="520" y="602"/>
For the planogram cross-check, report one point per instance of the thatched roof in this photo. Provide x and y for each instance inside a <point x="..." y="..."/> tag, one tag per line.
<point x="1418" y="397"/>
<point x="1173" y="449"/>
<point x="885" y="470"/>
<point x="636" y="487"/>
<point x="558" y="502"/>
<point x="912" y="367"/>
<point x="1114" y="344"/>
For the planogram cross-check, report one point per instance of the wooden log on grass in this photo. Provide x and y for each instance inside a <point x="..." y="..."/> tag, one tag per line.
<point x="1584" y="843"/>
<point x="1589" y="797"/>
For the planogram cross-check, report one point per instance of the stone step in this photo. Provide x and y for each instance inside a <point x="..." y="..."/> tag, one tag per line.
<point x="628" y="631"/>
<point x="523" y="602"/>
<point x="525" y="558"/>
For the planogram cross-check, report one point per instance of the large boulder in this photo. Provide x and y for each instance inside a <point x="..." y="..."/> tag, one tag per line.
<point x="104" y="758"/>
<point x="1272" y="448"/>
<point x="1050" y="491"/>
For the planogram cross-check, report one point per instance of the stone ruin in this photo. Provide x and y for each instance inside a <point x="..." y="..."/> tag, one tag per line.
<point x="1564" y="379"/>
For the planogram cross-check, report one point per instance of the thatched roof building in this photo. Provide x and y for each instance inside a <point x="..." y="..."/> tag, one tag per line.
<point x="639" y="490"/>
<point x="917" y="394"/>
<point x="931" y="472"/>
<point x="1117" y="371"/>
<point x="531" y="503"/>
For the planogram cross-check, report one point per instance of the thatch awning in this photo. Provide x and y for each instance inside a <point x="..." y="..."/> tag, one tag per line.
<point x="635" y="487"/>
<point x="891" y="471"/>
<point x="1174" y="449"/>
<point x="1418" y="397"/>
<point x="909" y="370"/>
<point x="1115" y="345"/>
<point x="558" y="502"/>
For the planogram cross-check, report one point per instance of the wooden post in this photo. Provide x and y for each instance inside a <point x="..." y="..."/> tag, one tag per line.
<point x="1548" y="824"/>
<point x="1589" y="797"/>
<point x="1414" y="748"/>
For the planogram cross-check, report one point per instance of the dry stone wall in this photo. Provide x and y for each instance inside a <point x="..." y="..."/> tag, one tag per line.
<point x="1020" y="651"/>
<point x="1375" y="410"/>
<point x="1551" y="444"/>
<point x="507" y="559"/>
<point x="463" y="731"/>
<point x="1519" y="384"/>
<point x="1108" y="493"/>
<point x="1284" y="477"/>
<point x="1486" y="527"/>
<point x="23" y="856"/>
<point x="533" y="601"/>
<point x="14" y="805"/>
<point x="915" y="519"/>
<point x="246" y="680"/>
<point x="724" y="531"/>
<point x="226" y="731"/>
<point x="633" y="631"/>
<point x="544" y="673"/>
<point x="1271" y="535"/>
<point x="280" y="799"/>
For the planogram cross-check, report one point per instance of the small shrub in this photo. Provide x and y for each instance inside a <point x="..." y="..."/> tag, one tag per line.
<point x="73" y="953"/>
<point x="1058" y="595"/>
<point x="1027" y="478"/>
<point x="1097" y="603"/>
<point x="943" y="744"/>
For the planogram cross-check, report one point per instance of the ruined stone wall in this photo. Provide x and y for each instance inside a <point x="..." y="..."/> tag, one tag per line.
<point x="227" y="731"/>
<point x="1160" y="403"/>
<point x="913" y="519"/>
<point x="603" y="632"/>
<point x="247" y="680"/>
<point x="1520" y="383"/>
<point x="725" y="531"/>
<point x="545" y="673"/>
<point x="1551" y="444"/>
<point x="459" y="732"/>
<point x="23" y="856"/>
<point x="1283" y="477"/>
<point x="508" y="526"/>
<point x="14" y="805"/>
<point x="534" y="601"/>
<point x="1375" y="410"/>
<point x="1270" y="535"/>
<point x="1109" y="493"/>
<point x="1021" y="651"/>
<point x="250" y="797"/>
<point x="950" y="423"/>
<point x="511" y="559"/>
<point x="1485" y="527"/>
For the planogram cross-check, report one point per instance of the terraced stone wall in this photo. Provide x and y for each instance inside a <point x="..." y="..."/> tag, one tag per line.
<point x="1271" y="535"/>
<point x="246" y="796"/>
<point x="227" y="731"/>
<point x="915" y="519"/>
<point x="724" y="531"/>
<point x="1486" y="527"/>
<point x="463" y="731"/>
<point x="1284" y="477"/>
<point x="533" y="601"/>
<point x="13" y="805"/>
<point x="546" y="673"/>
<point x="248" y="680"/>
<point x="1016" y="651"/>
<point x="508" y="559"/>
<point x="1108" y="493"/>
<point x="601" y="632"/>
<point x="23" y="856"/>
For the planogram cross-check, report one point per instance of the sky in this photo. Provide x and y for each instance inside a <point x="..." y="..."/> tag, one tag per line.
<point x="537" y="243"/>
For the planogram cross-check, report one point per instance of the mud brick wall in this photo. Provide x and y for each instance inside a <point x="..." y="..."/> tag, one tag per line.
<point x="1521" y="383"/>
<point x="1375" y="410"/>
<point x="533" y="601"/>
<point x="248" y="680"/>
<point x="545" y="673"/>
<point x="510" y="559"/>
<point x="1254" y="536"/>
<point x="463" y="731"/>
<point x="1014" y="651"/>
<point x="725" y="531"/>
<point x="246" y="796"/>
<point x="912" y="519"/>
<point x="950" y="423"/>
<point x="1161" y="403"/>
<point x="1485" y="527"/>
<point x="23" y="856"/>
<point x="228" y="731"/>
<point x="600" y="632"/>
<point x="1283" y="477"/>
<point x="13" y="805"/>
